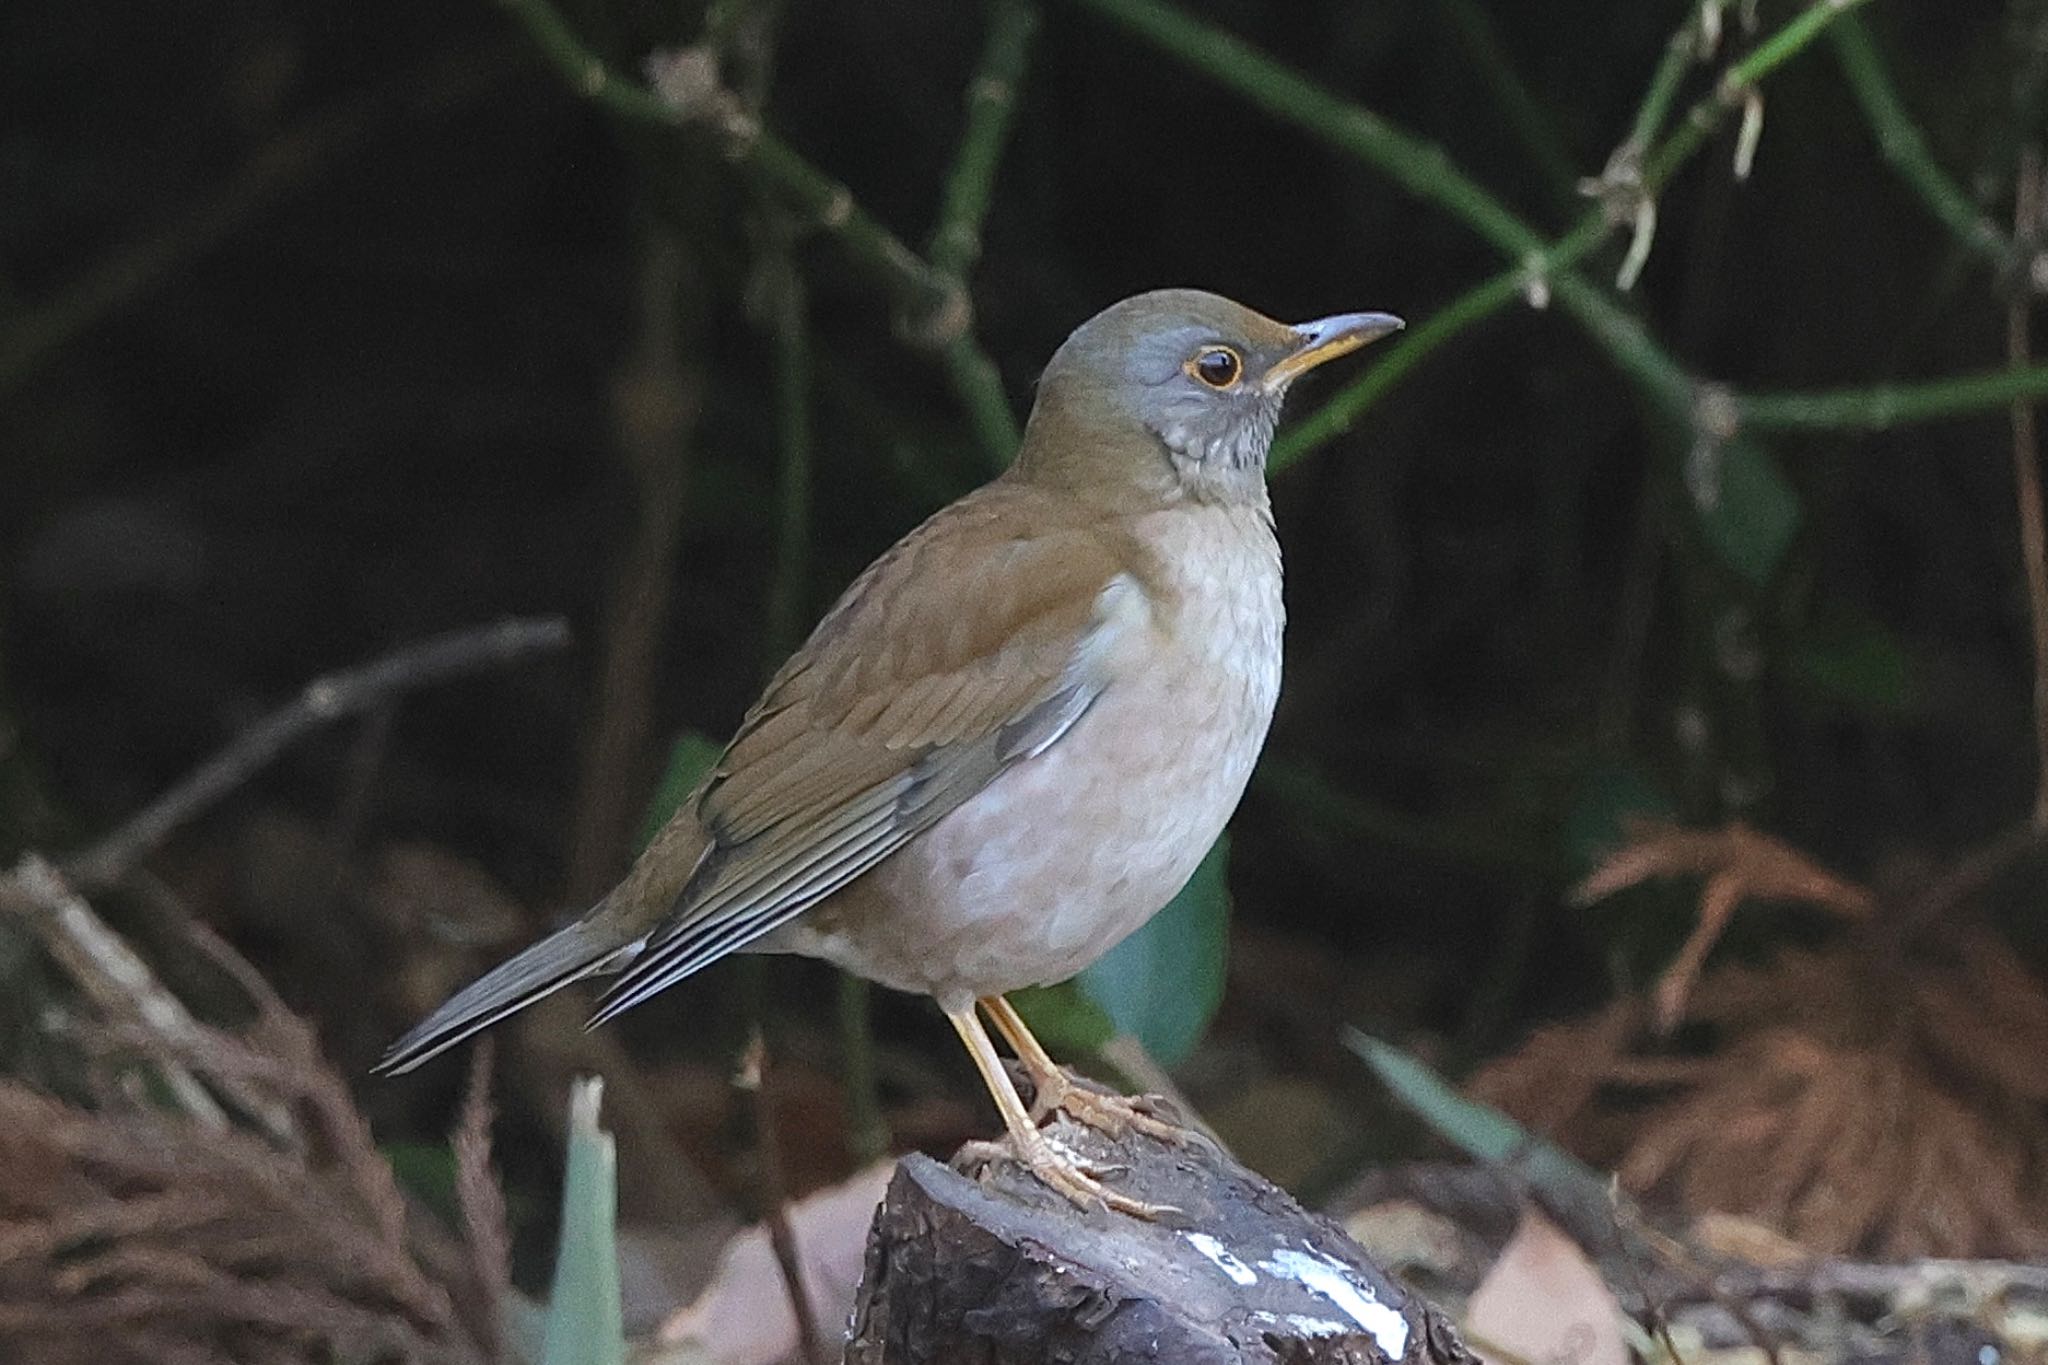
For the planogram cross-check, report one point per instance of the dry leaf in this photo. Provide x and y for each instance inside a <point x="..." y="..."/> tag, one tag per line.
<point x="744" y="1317"/>
<point x="1543" y="1303"/>
<point x="1850" y="1112"/>
<point x="131" y="1233"/>
<point x="1739" y="864"/>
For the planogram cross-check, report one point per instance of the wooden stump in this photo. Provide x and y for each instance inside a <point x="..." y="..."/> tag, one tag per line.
<point x="992" y="1268"/>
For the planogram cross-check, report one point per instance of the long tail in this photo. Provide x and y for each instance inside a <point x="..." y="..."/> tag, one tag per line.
<point x="600" y="940"/>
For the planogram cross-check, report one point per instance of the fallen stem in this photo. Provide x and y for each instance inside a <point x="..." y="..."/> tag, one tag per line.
<point x="773" y="1187"/>
<point x="325" y="700"/>
<point x="110" y="974"/>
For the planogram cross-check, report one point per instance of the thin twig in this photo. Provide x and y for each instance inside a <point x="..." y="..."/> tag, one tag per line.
<point x="1539" y="266"/>
<point x="1527" y="118"/>
<point x="991" y="104"/>
<point x="1341" y="411"/>
<point x="2026" y="468"/>
<point x="813" y="198"/>
<point x="932" y="309"/>
<point x="867" y="1128"/>
<point x="774" y="1194"/>
<point x="1905" y="148"/>
<point x="979" y="386"/>
<point x="325" y="700"/>
<point x="1680" y="52"/>
<point x="1880" y="407"/>
<point x="970" y="186"/>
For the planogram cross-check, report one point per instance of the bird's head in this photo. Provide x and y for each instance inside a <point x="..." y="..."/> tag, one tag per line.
<point x="1176" y="394"/>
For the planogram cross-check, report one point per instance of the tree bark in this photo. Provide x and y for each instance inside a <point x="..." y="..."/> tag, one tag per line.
<point x="999" y="1270"/>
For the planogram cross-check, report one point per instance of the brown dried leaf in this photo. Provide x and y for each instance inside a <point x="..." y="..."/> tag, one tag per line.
<point x="1739" y="864"/>
<point x="1544" y="1301"/>
<point x="138" y="1234"/>
<point x="1893" y="1111"/>
<point x="744" y="1317"/>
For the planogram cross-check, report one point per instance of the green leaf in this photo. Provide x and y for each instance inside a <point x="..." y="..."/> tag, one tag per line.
<point x="585" y="1315"/>
<point x="1749" y="513"/>
<point x="1163" y="983"/>
<point x="1479" y="1130"/>
<point x="1064" y="1019"/>
<point x="692" y="757"/>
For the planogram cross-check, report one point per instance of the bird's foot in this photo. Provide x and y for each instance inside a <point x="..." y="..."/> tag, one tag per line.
<point x="1065" y="1171"/>
<point x="1115" y="1115"/>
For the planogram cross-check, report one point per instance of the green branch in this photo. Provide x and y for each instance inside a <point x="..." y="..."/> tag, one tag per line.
<point x="1679" y="53"/>
<point x="1529" y="120"/>
<point x="1538" y="267"/>
<point x="1336" y="416"/>
<point x="1900" y="141"/>
<point x="1419" y="165"/>
<point x="970" y="186"/>
<point x="933" y="312"/>
<point x="1883" y="406"/>
<point x="991" y="103"/>
<point x="816" y="199"/>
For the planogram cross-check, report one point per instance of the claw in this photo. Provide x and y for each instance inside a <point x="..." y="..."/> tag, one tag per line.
<point x="1063" y="1170"/>
<point x="1115" y="1115"/>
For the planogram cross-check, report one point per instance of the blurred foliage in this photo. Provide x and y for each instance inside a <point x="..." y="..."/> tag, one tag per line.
<point x="315" y="321"/>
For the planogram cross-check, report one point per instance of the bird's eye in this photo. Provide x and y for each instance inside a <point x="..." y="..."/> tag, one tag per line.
<point x="1216" y="366"/>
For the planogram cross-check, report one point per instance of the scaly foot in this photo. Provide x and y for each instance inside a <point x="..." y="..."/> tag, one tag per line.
<point x="1115" y="1115"/>
<point x="1060" y="1168"/>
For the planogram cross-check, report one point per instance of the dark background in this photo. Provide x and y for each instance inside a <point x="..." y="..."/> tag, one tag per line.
<point x="355" y="287"/>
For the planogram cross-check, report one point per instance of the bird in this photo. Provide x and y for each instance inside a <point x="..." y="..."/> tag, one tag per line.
<point x="1012" y="739"/>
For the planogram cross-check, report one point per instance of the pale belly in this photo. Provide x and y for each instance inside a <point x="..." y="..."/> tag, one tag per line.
<point x="1065" y="854"/>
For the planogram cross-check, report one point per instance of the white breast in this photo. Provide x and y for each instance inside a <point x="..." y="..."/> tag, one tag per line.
<point x="1069" y="851"/>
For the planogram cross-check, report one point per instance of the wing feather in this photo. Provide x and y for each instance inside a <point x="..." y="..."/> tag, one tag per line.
<point x="975" y="643"/>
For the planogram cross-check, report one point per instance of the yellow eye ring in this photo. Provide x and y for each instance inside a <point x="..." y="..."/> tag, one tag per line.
<point x="1218" y="367"/>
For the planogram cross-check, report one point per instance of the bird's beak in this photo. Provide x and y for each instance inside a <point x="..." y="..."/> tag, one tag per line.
<point x="1326" y="339"/>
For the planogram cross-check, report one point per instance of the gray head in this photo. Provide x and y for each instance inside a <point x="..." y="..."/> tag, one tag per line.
<point x="1176" y="390"/>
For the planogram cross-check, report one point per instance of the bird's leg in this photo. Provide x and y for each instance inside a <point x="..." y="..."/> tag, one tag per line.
<point x="1055" y="1090"/>
<point x="1051" y="1162"/>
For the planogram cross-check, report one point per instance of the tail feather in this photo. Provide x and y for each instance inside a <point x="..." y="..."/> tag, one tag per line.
<point x="592" y="944"/>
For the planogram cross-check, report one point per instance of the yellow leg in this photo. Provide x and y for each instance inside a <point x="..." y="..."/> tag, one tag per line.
<point x="1112" y="1114"/>
<point x="1051" y="1163"/>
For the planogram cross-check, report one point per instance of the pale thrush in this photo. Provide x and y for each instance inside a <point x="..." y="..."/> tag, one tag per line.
<point x="1012" y="739"/>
